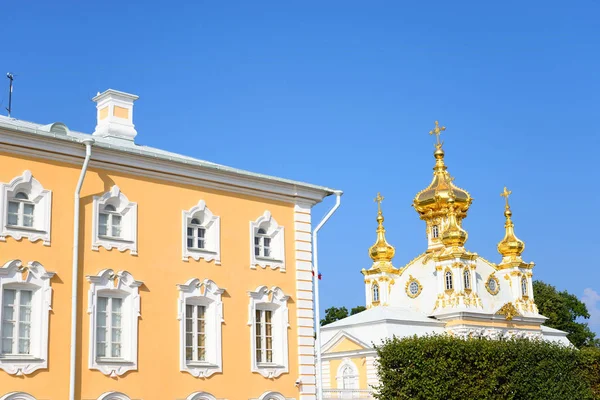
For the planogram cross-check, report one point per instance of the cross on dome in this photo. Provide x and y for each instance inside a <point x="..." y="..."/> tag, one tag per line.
<point x="437" y="131"/>
<point x="506" y="193"/>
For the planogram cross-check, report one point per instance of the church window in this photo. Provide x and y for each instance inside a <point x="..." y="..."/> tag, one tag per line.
<point x="267" y="243"/>
<point x="492" y="285"/>
<point x="375" y="293"/>
<point x="448" y="278"/>
<point x="413" y="287"/>
<point x="26" y="207"/>
<point x="201" y="234"/>
<point x="467" y="279"/>
<point x="524" y="287"/>
<point x="435" y="231"/>
<point x="200" y="315"/>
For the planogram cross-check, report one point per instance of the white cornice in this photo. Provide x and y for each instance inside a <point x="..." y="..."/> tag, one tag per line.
<point x="142" y="162"/>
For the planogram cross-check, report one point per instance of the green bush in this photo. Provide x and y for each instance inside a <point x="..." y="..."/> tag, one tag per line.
<point x="445" y="368"/>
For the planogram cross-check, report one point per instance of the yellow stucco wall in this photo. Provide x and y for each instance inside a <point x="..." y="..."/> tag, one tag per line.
<point x="159" y="265"/>
<point x="345" y="344"/>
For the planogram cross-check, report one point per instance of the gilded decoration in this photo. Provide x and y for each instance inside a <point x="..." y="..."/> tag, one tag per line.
<point x="381" y="250"/>
<point x="510" y="247"/>
<point x="418" y="288"/>
<point x="494" y="288"/>
<point x="509" y="311"/>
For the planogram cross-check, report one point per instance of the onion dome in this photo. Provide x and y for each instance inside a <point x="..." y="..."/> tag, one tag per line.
<point x="381" y="250"/>
<point x="510" y="246"/>
<point x="454" y="235"/>
<point x="433" y="200"/>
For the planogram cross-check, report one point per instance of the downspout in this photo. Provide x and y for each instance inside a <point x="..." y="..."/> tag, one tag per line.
<point x="338" y="195"/>
<point x="75" y="274"/>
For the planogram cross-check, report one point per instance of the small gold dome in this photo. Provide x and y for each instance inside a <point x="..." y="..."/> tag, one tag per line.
<point x="434" y="198"/>
<point x="454" y="235"/>
<point x="381" y="250"/>
<point x="511" y="245"/>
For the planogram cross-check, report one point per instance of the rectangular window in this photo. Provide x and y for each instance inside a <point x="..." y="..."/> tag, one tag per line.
<point x="27" y="215"/>
<point x="267" y="247"/>
<point x="103" y="225"/>
<point x="195" y="333"/>
<point x="264" y="336"/>
<point x="116" y="226"/>
<point x="13" y="213"/>
<point x="16" y="321"/>
<point x="257" y="246"/>
<point x="200" y="238"/>
<point x="109" y="327"/>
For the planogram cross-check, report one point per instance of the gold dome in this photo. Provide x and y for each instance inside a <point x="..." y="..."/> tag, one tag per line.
<point x="381" y="250"/>
<point x="433" y="200"/>
<point x="511" y="245"/>
<point x="453" y="235"/>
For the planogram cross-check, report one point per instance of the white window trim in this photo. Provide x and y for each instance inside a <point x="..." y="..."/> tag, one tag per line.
<point x="122" y="285"/>
<point x="42" y="198"/>
<point x="128" y="212"/>
<point x="273" y="395"/>
<point x="346" y="362"/>
<point x="201" y="396"/>
<point x="212" y="225"/>
<point x="276" y="233"/>
<point x="17" y="396"/>
<point x="34" y="277"/>
<point x="273" y="299"/>
<point x="205" y="293"/>
<point x="113" y="396"/>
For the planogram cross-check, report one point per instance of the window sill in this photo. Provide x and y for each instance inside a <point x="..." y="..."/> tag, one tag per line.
<point x="268" y="259"/>
<point x="105" y="360"/>
<point x="204" y="251"/>
<point x="200" y="364"/>
<point x="114" y="239"/>
<point x="19" y="357"/>
<point x="269" y="365"/>
<point x="25" y="228"/>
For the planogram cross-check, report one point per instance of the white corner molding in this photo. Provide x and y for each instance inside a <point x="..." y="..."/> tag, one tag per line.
<point x="202" y="293"/>
<point x="128" y="212"/>
<point x="212" y="226"/>
<point x="274" y="300"/>
<point x="40" y="198"/>
<point x="17" y="396"/>
<point x="272" y="396"/>
<point x="35" y="278"/>
<point x="115" y="285"/>
<point x="113" y="396"/>
<point x="277" y="246"/>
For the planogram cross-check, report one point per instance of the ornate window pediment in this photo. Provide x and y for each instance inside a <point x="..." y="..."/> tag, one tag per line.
<point x="268" y="244"/>
<point x="114" y="309"/>
<point x="200" y="315"/>
<point x="17" y="396"/>
<point x="201" y="235"/>
<point x="25" y="304"/>
<point x="201" y="396"/>
<point x="26" y="209"/>
<point x="113" y="396"/>
<point x="268" y="321"/>
<point x="272" y="396"/>
<point x="114" y="222"/>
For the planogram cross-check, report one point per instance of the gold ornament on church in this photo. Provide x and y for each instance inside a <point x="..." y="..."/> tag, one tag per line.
<point x="432" y="201"/>
<point x="454" y="235"/>
<point x="510" y="246"/>
<point x="509" y="311"/>
<point x="381" y="251"/>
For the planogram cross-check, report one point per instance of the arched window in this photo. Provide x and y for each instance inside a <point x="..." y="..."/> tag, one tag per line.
<point x="448" y="277"/>
<point x="201" y="234"/>
<point x="435" y="232"/>
<point x="347" y="378"/>
<point x="524" y="287"/>
<point x="267" y="243"/>
<point x="196" y="235"/>
<point x="375" y="292"/>
<point x="109" y="222"/>
<point x="20" y="211"/>
<point x="262" y="244"/>
<point x="115" y="222"/>
<point x="467" y="279"/>
<point x="347" y="375"/>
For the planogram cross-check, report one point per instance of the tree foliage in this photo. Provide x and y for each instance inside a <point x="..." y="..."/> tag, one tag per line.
<point x="446" y="368"/>
<point x="562" y="310"/>
<point x="333" y="314"/>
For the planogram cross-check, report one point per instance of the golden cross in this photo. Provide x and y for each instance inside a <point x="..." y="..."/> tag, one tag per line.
<point x="505" y="194"/>
<point x="437" y="131"/>
<point x="378" y="200"/>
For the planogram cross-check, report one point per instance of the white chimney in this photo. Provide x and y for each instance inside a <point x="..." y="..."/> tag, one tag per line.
<point x="115" y="115"/>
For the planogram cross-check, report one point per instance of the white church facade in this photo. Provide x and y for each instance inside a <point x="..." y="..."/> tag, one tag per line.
<point x="446" y="289"/>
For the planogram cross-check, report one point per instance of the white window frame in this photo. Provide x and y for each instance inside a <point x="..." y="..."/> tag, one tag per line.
<point x="446" y="281"/>
<point x="347" y="363"/>
<point x="275" y="300"/>
<point x="208" y="294"/>
<point x="467" y="285"/>
<point x="375" y="293"/>
<point x="123" y="285"/>
<point x="201" y="396"/>
<point x="212" y="234"/>
<point x="277" y="245"/>
<point x="128" y="212"/>
<point x="32" y="277"/>
<point x="38" y="196"/>
<point x="269" y="395"/>
<point x="113" y="396"/>
<point x="17" y="396"/>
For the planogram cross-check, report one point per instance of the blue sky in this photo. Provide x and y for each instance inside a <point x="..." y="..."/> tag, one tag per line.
<point x="343" y="93"/>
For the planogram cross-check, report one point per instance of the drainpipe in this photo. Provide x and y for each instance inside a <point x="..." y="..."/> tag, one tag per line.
<point x="338" y="195"/>
<point x="88" y="153"/>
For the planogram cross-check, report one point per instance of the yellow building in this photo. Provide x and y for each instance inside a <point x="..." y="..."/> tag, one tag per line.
<point x="185" y="279"/>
